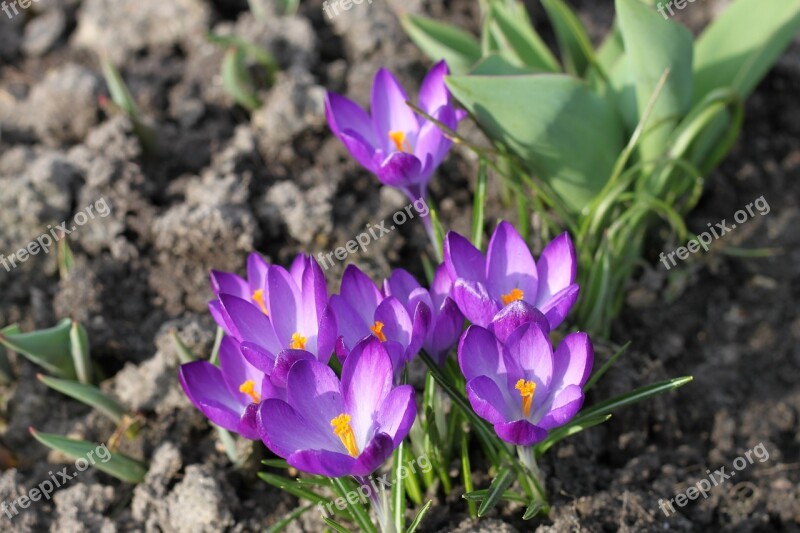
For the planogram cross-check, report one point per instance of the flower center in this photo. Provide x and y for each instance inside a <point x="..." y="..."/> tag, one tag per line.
<point x="249" y="388"/>
<point x="513" y="296"/>
<point x="399" y="140"/>
<point x="526" y="390"/>
<point x="343" y="429"/>
<point x="377" y="330"/>
<point x="258" y="297"/>
<point x="298" y="341"/>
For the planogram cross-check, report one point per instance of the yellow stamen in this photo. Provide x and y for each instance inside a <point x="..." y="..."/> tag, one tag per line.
<point x="399" y="139"/>
<point x="258" y="297"/>
<point x="377" y="330"/>
<point x="298" y="342"/>
<point x="526" y="390"/>
<point x="513" y="296"/>
<point x="249" y="388"/>
<point x="343" y="429"/>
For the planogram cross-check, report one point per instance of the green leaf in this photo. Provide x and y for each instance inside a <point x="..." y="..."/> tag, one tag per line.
<point x="88" y="394"/>
<point x="291" y="486"/>
<point x="66" y="261"/>
<point x="335" y="525"/>
<point x="418" y="519"/>
<point x="573" y="41"/>
<point x="480" y="495"/>
<point x="342" y="487"/>
<point x="536" y="506"/>
<point x="560" y="129"/>
<point x="185" y="355"/>
<point x="275" y="463"/>
<point x="48" y="348"/>
<point x="653" y="45"/>
<point x="496" y="490"/>
<point x="478" y="205"/>
<point x="466" y="472"/>
<point x="237" y="80"/>
<point x="398" y="489"/>
<point x="497" y="65"/>
<point x="79" y="348"/>
<point x="569" y="430"/>
<point x="740" y="46"/>
<point x="442" y="41"/>
<point x="120" y="94"/>
<point x="518" y="40"/>
<point x="118" y="465"/>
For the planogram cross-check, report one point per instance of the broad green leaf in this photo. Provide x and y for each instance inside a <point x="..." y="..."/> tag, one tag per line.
<point x="573" y="41"/>
<point x="740" y="46"/>
<point x="496" y="490"/>
<point x="115" y="464"/>
<point x="497" y="65"/>
<point x="442" y="41"/>
<point x="48" y="348"/>
<point x="554" y="123"/>
<point x="652" y="46"/>
<point x="79" y="348"/>
<point x="518" y="40"/>
<point x="88" y="394"/>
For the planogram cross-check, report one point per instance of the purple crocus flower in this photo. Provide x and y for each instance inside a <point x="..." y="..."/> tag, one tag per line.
<point x="290" y="317"/>
<point x="522" y="387"/>
<point x="251" y="289"/>
<point x="446" y="322"/>
<point x="227" y="395"/>
<point x="485" y="285"/>
<point x="336" y="429"/>
<point x="400" y="147"/>
<point x="362" y="310"/>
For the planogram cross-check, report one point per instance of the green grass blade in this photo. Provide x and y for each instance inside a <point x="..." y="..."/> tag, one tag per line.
<point x="398" y="489"/>
<point x="496" y="490"/>
<point x="237" y="79"/>
<point x="606" y="366"/>
<point x="535" y="507"/>
<point x="479" y="206"/>
<point x="79" y="348"/>
<point x="288" y="519"/>
<point x="417" y="519"/>
<point x="291" y="486"/>
<point x="357" y="511"/>
<point x="336" y="526"/>
<point x="184" y="353"/>
<point x="567" y="431"/>
<point x="118" y="465"/>
<point x="66" y="261"/>
<point x="466" y="472"/>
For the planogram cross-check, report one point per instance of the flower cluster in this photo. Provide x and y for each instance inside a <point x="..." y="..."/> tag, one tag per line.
<point x="281" y="327"/>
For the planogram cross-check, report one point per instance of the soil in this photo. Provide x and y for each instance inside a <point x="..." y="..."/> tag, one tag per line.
<point x="224" y="182"/>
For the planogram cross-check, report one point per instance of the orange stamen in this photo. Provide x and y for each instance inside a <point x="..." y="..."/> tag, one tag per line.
<point x="298" y="342"/>
<point x="258" y="297"/>
<point x="249" y="388"/>
<point x="377" y="330"/>
<point x="526" y="390"/>
<point x="343" y="429"/>
<point x="399" y="140"/>
<point x="513" y="296"/>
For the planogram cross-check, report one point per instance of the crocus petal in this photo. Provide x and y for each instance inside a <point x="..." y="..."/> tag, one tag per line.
<point x="326" y="335"/>
<point x="351" y="124"/>
<point x="351" y="325"/>
<point x="236" y="370"/>
<point x="284" y="362"/>
<point x="248" y="426"/>
<point x="474" y="301"/>
<point x="400" y="285"/>
<point x="360" y="292"/>
<point x="322" y="462"/>
<point x="203" y="384"/>
<point x="397" y="413"/>
<point x="432" y="145"/>
<point x="220" y="316"/>
<point x="566" y="405"/>
<point x="433" y="92"/>
<point x="557" y="267"/>
<point x="285" y="305"/>
<point x="376" y="453"/>
<point x="573" y="361"/>
<point x="298" y="268"/>
<point x="390" y="111"/>
<point x="313" y="391"/>
<point x="520" y="432"/>
<point x="445" y="331"/>
<point x="515" y="315"/>
<point x="462" y="259"/>
<point x="366" y="382"/>
<point x="314" y="293"/>
<point x="441" y="286"/>
<point x="248" y="323"/>
<point x="487" y="400"/>
<point x="256" y="272"/>
<point x="258" y="357"/>
<point x="397" y="324"/>
<point x="227" y="283"/>
<point x="529" y="347"/>
<point x="421" y="323"/>
<point x="480" y="354"/>
<point x="510" y="264"/>
<point x="284" y="431"/>
<point x="400" y="170"/>
<point x="558" y="307"/>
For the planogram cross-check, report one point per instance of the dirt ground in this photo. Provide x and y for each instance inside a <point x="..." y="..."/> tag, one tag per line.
<point x="224" y="182"/>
